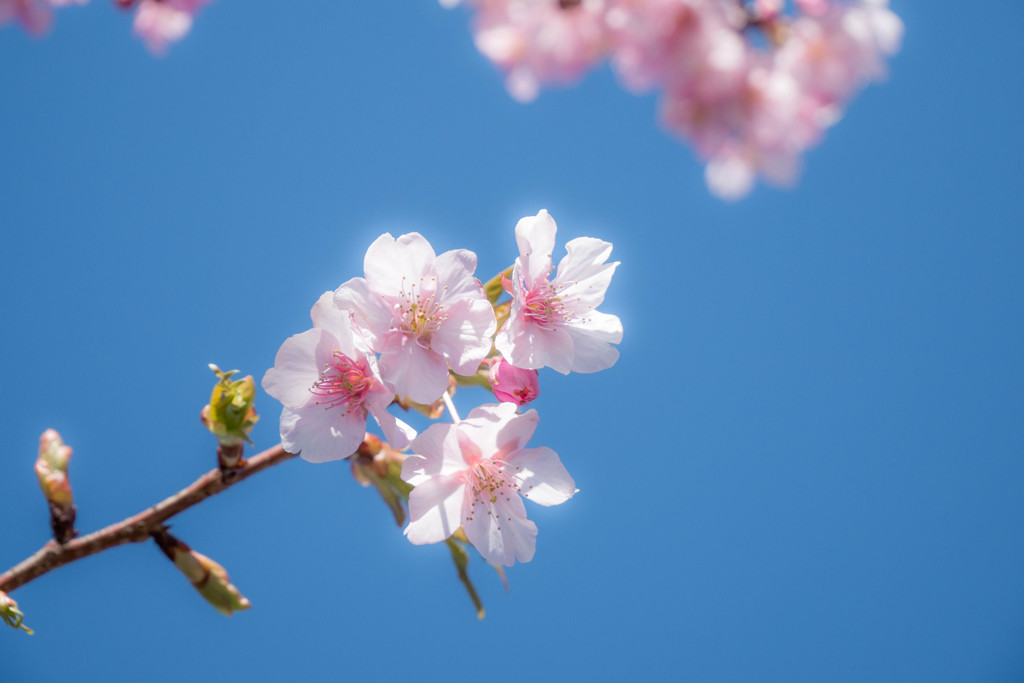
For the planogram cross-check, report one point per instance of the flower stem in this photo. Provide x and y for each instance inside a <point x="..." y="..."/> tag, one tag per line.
<point x="451" y="407"/>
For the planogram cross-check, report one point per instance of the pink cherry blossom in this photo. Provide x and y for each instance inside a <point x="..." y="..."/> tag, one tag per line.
<point x="749" y="85"/>
<point x="162" y="22"/>
<point x="423" y="313"/>
<point x="512" y="384"/>
<point x="556" y="323"/>
<point x="327" y="380"/>
<point x="35" y="16"/>
<point x="474" y="474"/>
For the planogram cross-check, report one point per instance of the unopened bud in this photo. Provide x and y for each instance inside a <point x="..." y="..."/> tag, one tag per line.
<point x="10" y="613"/>
<point x="512" y="384"/>
<point x="52" y="470"/>
<point x="230" y="415"/>
<point x="205" y="575"/>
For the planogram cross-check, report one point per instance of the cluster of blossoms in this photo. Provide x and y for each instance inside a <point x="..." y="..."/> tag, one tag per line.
<point x="418" y="324"/>
<point x="750" y="85"/>
<point x="157" y="22"/>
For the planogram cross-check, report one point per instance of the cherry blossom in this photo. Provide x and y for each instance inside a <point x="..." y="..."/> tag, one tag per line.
<point x="423" y="313"/>
<point x="555" y="323"/>
<point x="474" y="474"/>
<point x="328" y="382"/>
<point x="35" y="16"/>
<point x="750" y="86"/>
<point x="162" y="22"/>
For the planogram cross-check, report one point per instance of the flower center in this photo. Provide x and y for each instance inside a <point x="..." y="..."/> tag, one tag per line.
<point x="490" y="486"/>
<point x="419" y="313"/>
<point x="544" y="307"/>
<point x="343" y="382"/>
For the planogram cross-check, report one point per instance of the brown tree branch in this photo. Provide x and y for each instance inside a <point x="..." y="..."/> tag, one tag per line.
<point x="136" y="528"/>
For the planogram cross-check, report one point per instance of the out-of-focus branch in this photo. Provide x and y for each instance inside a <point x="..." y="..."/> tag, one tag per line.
<point x="136" y="528"/>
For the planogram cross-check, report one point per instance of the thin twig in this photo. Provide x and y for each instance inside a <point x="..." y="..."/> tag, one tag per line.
<point x="137" y="528"/>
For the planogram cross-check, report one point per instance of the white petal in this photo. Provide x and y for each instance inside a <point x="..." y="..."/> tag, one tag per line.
<point x="455" y="275"/>
<point x="526" y="345"/>
<point x="369" y="311"/>
<point x="542" y="477"/>
<point x="437" y="454"/>
<point x="497" y="430"/>
<point x="502" y="536"/>
<point x="535" y="236"/>
<point x="590" y="353"/>
<point x="416" y="372"/>
<point x="320" y="434"/>
<point x="465" y="335"/>
<point x="392" y="265"/>
<point x="435" y="508"/>
<point x="297" y="367"/>
<point x="583" y="276"/>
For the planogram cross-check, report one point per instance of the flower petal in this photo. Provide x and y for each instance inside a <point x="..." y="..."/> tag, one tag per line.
<point x="500" y="531"/>
<point x="437" y="454"/>
<point x="392" y="265"/>
<point x="435" y="508"/>
<point x="297" y="367"/>
<point x="465" y="336"/>
<point x="455" y="273"/>
<point x="541" y="475"/>
<point x="369" y="312"/>
<point x="416" y="372"/>
<point x="535" y="236"/>
<point x="527" y="345"/>
<point x="321" y="434"/>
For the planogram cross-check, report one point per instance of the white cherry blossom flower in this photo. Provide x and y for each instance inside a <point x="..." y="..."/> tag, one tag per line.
<point x="328" y="382"/>
<point x="555" y="323"/>
<point x="423" y="313"/>
<point x="474" y="474"/>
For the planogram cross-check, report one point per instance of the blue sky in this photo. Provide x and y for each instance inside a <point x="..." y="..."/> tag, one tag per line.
<point x="807" y="464"/>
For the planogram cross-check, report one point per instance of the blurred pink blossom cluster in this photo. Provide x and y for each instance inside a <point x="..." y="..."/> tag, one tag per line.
<point x="750" y="84"/>
<point x="413" y="328"/>
<point x="157" y="22"/>
<point x="35" y="16"/>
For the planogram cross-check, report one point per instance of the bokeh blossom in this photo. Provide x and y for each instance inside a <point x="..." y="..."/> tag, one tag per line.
<point x="35" y="16"/>
<point x="423" y="313"/>
<point x="555" y="322"/>
<point x="328" y="382"/>
<point x="162" y="22"/>
<point x="748" y="84"/>
<point x="474" y="474"/>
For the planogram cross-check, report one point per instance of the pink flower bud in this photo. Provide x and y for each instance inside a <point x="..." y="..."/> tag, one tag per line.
<point x="513" y="384"/>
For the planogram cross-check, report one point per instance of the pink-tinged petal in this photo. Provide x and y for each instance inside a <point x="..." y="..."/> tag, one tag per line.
<point x="583" y="276"/>
<point x="590" y="353"/>
<point x="529" y="346"/>
<point x="321" y="434"/>
<point x="496" y="429"/>
<point x="455" y="271"/>
<point x="435" y="507"/>
<point x="393" y="266"/>
<point x="369" y="312"/>
<point x="297" y="367"/>
<point x="465" y="336"/>
<point x="484" y="423"/>
<point x="500" y="532"/>
<point x="328" y="316"/>
<point x="439" y="453"/>
<point x="598" y="325"/>
<point x="535" y="236"/>
<point x="416" y="372"/>
<point x="542" y="477"/>
<point x="397" y="433"/>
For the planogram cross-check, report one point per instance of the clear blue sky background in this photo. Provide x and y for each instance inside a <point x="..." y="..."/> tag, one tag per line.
<point x="808" y="464"/>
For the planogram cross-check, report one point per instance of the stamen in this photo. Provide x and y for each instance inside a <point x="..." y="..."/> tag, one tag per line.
<point x="343" y="382"/>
